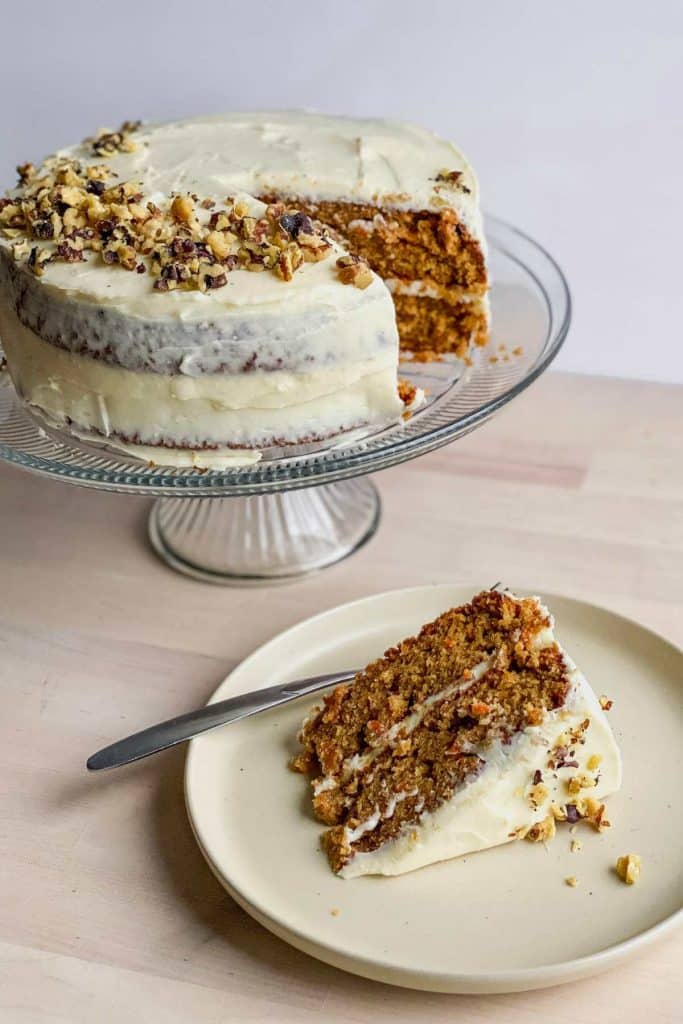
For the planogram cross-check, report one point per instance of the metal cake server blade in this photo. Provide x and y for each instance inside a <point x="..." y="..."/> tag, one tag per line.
<point x="185" y="727"/>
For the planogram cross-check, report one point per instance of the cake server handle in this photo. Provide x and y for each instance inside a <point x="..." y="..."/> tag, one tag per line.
<point x="184" y="727"/>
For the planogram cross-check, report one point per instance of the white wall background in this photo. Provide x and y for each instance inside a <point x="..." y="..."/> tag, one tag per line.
<point x="571" y="113"/>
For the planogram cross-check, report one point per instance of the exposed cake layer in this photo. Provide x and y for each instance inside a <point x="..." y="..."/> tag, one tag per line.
<point x="242" y="410"/>
<point x="436" y="325"/>
<point x="358" y="716"/>
<point x="513" y="789"/>
<point x="481" y="691"/>
<point x="407" y="244"/>
<point x="434" y="267"/>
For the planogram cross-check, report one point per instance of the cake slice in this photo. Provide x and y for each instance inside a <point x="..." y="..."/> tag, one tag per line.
<point x="477" y="731"/>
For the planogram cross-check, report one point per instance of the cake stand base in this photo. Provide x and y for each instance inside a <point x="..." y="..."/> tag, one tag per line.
<point x="263" y="539"/>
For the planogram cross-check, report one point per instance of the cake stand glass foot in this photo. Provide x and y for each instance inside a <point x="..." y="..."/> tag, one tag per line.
<point x="261" y="539"/>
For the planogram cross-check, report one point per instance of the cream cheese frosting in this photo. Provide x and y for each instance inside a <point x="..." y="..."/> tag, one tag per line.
<point x="300" y="153"/>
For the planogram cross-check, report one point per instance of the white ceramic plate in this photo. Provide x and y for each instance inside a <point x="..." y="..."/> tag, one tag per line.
<point x="500" y="920"/>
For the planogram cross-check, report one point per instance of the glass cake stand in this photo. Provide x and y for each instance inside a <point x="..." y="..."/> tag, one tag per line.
<point x="302" y="508"/>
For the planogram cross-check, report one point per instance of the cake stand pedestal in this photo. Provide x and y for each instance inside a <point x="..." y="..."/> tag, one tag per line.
<point x="303" y="508"/>
<point x="264" y="538"/>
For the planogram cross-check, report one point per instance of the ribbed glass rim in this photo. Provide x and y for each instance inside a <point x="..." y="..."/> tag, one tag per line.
<point x="100" y="468"/>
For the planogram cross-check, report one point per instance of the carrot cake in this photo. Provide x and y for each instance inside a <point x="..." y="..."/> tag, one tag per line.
<point x="477" y="731"/>
<point x="231" y="283"/>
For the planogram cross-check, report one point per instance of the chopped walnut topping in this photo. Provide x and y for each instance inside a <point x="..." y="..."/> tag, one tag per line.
<point x="452" y="179"/>
<point x="537" y="794"/>
<point x="78" y="210"/>
<point x="582" y="780"/>
<point x="572" y="881"/>
<point x="219" y="243"/>
<point x="21" y="250"/>
<point x="558" y="813"/>
<point x="605" y="702"/>
<point x="26" y="172"/>
<point x="628" y="868"/>
<point x="559" y="758"/>
<point x="182" y="208"/>
<point x="106" y="143"/>
<point x="37" y="260"/>
<point x="571" y="813"/>
<point x="354" y="270"/>
<point x="542" y="831"/>
<point x="590" y="810"/>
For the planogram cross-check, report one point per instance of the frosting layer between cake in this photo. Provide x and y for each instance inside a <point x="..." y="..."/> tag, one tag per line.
<point x="252" y="410"/>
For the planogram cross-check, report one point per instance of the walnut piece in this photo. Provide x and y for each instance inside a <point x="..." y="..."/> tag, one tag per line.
<point x="537" y="794"/>
<point x="628" y="868"/>
<point x="105" y="143"/>
<point x="542" y="831"/>
<point x="354" y="270"/>
<point x="582" y="780"/>
<point x="182" y="209"/>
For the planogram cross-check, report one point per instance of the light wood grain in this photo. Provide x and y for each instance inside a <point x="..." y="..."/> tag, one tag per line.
<point x="107" y="910"/>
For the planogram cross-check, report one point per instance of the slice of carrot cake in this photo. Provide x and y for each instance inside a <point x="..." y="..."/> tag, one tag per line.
<point x="478" y="730"/>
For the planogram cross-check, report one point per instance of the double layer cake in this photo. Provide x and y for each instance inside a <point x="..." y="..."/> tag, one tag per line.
<point x="216" y="286"/>
<point x="478" y="731"/>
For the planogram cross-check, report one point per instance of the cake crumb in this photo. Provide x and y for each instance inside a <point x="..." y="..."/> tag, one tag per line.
<point x="593" y="762"/>
<point x="572" y="881"/>
<point x="517" y="350"/>
<point x="576" y="846"/>
<point x="335" y="912"/>
<point x="628" y="868"/>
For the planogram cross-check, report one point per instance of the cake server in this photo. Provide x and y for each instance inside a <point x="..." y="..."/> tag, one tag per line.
<point x="184" y="727"/>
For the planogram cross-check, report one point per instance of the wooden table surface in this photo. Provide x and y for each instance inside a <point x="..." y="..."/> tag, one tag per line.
<point x="107" y="909"/>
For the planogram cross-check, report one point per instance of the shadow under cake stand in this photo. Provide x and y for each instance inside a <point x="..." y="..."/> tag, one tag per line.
<point x="302" y="508"/>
